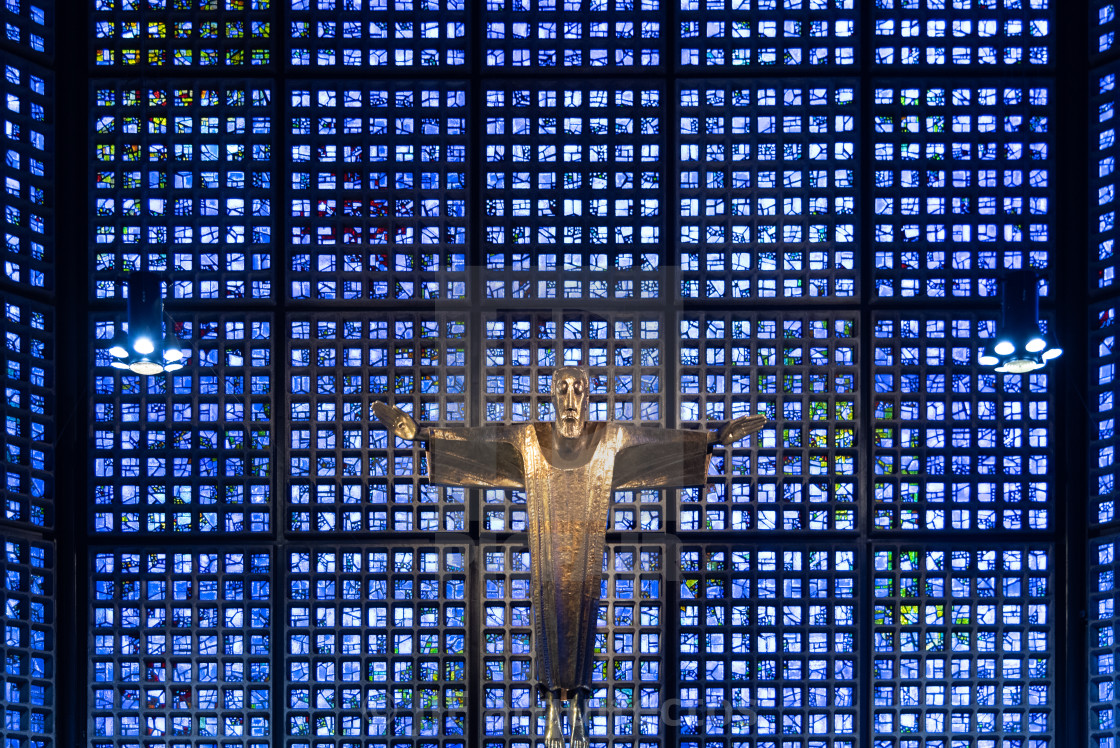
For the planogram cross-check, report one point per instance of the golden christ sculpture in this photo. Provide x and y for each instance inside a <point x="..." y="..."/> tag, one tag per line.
<point x="568" y="469"/>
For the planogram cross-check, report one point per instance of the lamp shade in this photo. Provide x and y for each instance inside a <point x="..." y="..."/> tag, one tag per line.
<point x="1021" y="346"/>
<point x="144" y="349"/>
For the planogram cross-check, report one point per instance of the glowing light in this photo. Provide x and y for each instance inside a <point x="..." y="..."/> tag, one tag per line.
<point x="1004" y="348"/>
<point x="143" y="346"/>
<point x="1034" y="345"/>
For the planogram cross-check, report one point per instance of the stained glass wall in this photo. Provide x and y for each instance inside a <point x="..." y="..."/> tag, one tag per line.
<point x="720" y="208"/>
<point x="1101" y="433"/>
<point x="30" y="405"/>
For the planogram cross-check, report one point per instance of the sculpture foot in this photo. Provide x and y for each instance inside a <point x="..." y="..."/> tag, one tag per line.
<point x="553" y="736"/>
<point x="579" y="722"/>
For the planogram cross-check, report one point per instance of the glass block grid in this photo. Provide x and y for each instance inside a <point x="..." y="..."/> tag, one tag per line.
<point x="767" y="646"/>
<point x="627" y="698"/>
<point x="984" y="32"/>
<point x="27" y="680"/>
<point x="376" y="646"/>
<point x="624" y="356"/>
<point x="767" y="190"/>
<point x="378" y="192"/>
<point x="574" y="35"/>
<point x="28" y="167"/>
<point x="346" y="473"/>
<point x="962" y="173"/>
<point x="1102" y="613"/>
<point x="182" y="178"/>
<point x="1102" y="414"/>
<point x="1102" y="36"/>
<point x="188" y="452"/>
<point x="180" y="647"/>
<point x="963" y="646"/>
<point x="801" y="372"/>
<point x="28" y="412"/>
<point x="956" y="446"/>
<point x="196" y="34"/>
<point x="402" y="34"/>
<point x="29" y="26"/>
<point x="766" y="33"/>
<point x="578" y="164"/>
<point x="1102" y="187"/>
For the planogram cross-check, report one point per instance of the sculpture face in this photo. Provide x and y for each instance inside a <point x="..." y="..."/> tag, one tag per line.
<point x="569" y="396"/>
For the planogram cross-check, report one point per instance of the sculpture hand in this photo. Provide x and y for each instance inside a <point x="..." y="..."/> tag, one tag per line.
<point x="396" y="420"/>
<point x="735" y="430"/>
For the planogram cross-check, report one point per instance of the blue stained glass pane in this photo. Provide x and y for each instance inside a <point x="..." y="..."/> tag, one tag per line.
<point x="767" y="193"/>
<point x="29" y="412"/>
<point x="180" y="644"/>
<point x="377" y="34"/>
<point x="378" y="192"/>
<point x="963" y="642"/>
<point x="27" y="172"/>
<point x="768" y="643"/>
<point x="347" y="473"/>
<point x="963" y="186"/>
<point x="956" y="446"/>
<point x="732" y="33"/>
<point x="931" y="33"/>
<point x="377" y="636"/>
<point x="565" y="35"/>
<point x="182" y="185"/>
<point x="801" y="372"/>
<point x="27" y="694"/>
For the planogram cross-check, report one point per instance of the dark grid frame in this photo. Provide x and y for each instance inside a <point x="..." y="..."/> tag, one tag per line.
<point x="476" y="268"/>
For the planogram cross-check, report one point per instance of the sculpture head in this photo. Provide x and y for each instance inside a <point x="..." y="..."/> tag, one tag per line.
<point x="569" y="396"/>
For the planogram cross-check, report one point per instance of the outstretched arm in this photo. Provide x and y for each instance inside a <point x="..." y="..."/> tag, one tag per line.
<point x="733" y="431"/>
<point x="398" y="422"/>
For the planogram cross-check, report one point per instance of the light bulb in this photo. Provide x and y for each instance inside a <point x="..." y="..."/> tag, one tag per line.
<point x="143" y="346"/>
<point x="988" y="360"/>
<point x="119" y="365"/>
<point x="1004" y="348"/>
<point x="1052" y="353"/>
<point x="1034" y="345"/>
<point x="173" y="366"/>
<point x="174" y="353"/>
<point x="118" y="350"/>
